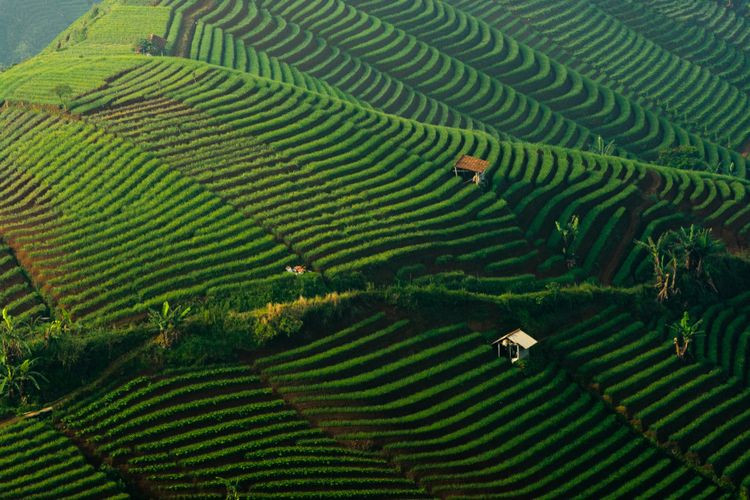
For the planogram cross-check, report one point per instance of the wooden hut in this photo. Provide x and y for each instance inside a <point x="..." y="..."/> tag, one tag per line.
<point x="475" y="167"/>
<point x="515" y="345"/>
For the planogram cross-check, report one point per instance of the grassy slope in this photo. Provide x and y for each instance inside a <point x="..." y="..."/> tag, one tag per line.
<point x="456" y="63"/>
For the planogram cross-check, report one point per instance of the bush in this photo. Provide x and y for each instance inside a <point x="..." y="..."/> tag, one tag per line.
<point x="277" y="320"/>
<point x="286" y="320"/>
<point x="682" y="157"/>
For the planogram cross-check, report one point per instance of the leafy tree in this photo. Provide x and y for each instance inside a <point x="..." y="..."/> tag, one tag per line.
<point x="64" y="92"/>
<point x="167" y="321"/>
<point x="688" y="249"/>
<point x="568" y="232"/>
<point x="15" y="379"/>
<point x="147" y="46"/>
<point x="685" y="331"/>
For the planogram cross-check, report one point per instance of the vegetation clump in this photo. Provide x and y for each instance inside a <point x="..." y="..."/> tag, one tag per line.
<point x="168" y="322"/>
<point x="149" y="46"/>
<point x="685" y="332"/>
<point x="568" y="231"/>
<point x="683" y="258"/>
<point x="683" y="158"/>
<point x="17" y="374"/>
<point x="286" y="320"/>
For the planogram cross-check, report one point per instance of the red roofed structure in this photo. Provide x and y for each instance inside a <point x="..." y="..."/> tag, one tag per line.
<point x="477" y="166"/>
<point x="472" y="164"/>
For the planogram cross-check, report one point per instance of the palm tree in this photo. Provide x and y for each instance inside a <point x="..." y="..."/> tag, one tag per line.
<point x="15" y="379"/>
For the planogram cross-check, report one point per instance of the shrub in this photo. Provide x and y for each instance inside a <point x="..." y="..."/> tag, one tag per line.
<point x="682" y="157"/>
<point x="286" y="320"/>
<point x="275" y="320"/>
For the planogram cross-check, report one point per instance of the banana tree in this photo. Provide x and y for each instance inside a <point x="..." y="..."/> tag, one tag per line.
<point x="568" y="232"/>
<point x="696" y="246"/>
<point x="665" y="267"/>
<point x="167" y="321"/>
<point x="601" y="147"/>
<point x="11" y="340"/>
<point x="16" y="379"/>
<point x="684" y="332"/>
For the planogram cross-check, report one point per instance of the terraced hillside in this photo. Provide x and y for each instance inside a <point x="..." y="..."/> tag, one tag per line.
<point x="110" y="219"/>
<point x="189" y="433"/>
<point x="412" y="412"/>
<point x="456" y="65"/>
<point x="238" y="232"/>
<point x="335" y="186"/>
<point x="40" y="462"/>
<point x="466" y="425"/>
<point x="692" y="406"/>
<point x="17" y="291"/>
<point x="725" y="342"/>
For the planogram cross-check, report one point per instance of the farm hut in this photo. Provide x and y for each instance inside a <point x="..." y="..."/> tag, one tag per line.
<point x="470" y="165"/>
<point x="515" y="345"/>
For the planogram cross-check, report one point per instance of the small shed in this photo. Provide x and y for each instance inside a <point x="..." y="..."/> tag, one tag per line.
<point x="515" y="345"/>
<point x="472" y="166"/>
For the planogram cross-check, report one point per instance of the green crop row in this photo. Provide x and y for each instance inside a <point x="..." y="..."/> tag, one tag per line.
<point x="712" y="16"/>
<point x="727" y="332"/>
<point x="354" y="181"/>
<point x="130" y="214"/>
<point x="646" y="70"/>
<point x="498" y="82"/>
<point x="686" y="403"/>
<point x="693" y="43"/>
<point x="39" y="462"/>
<point x="449" y="413"/>
<point x="181" y="431"/>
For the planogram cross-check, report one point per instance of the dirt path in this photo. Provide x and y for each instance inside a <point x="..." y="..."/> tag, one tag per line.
<point x="187" y="30"/>
<point x="634" y="224"/>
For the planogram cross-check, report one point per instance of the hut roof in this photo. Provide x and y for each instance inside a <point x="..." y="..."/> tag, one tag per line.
<point x="518" y="337"/>
<point x="472" y="164"/>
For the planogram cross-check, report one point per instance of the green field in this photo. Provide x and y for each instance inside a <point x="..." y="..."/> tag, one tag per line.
<point x="168" y="167"/>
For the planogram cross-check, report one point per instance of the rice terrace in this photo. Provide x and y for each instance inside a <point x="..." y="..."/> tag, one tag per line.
<point x="374" y="249"/>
